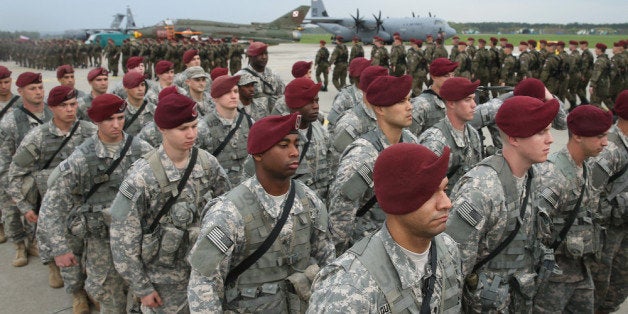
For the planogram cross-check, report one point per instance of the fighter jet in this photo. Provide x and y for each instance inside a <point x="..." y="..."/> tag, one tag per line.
<point x="286" y="28"/>
<point x="365" y="28"/>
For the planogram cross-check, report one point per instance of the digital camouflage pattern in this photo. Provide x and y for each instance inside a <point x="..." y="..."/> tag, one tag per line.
<point x="269" y="86"/>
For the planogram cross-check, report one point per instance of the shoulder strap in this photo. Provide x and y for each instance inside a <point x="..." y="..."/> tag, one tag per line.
<point x="248" y="117"/>
<point x="128" y="123"/>
<point x="429" y="284"/>
<point x="65" y="141"/>
<point x="235" y="272"/>
<point x="262" y="79"/>
<point x="306" y="146"/>
<point x="614" y="137"/>
<point x="30" y="114"/>
<point x="224" y="142"/>
<point x="572" y="216"/>
<point x="8" y="106"/>
<point x="111" y="168"/>
<point x="173" y="198"/>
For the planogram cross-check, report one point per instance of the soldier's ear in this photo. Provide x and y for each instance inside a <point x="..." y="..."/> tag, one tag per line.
<point x="257" y="157"/>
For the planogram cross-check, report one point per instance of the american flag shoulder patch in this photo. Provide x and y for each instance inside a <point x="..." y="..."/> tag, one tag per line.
<point x="550" y="197"/>
<point x="219" y="238"/>
<point x="469" y="214"/>
<point x="127" y="190"/>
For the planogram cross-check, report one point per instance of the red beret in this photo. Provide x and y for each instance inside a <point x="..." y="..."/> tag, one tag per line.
<point x="471" y="39"/>
<point x="621" y="105"/>
<point x="322" y="42"/>
<point x="94" y="73"/>
<point x="300" y="92"/>
<point x="589" y="120"/>
<point x="218" y="72"/>
<point x="28" y="78"/>
<point x="172" y="89"/>
<point x="462" y="43"/>
<point x="503" y="39"/>
<point x="163" y="66"/>
<point x="369" y="74"/>
<point x="532" y="42"/>
<point x="358" y="65"/>
<point x="132" y="79"/>
<point x="104" y="106"/>
<point x="573" y="42"/>
<point x="63" y="70"/>
<point x="386" y="91"/>
<point x="509" y="45"/>
<point x="223" y="84"/>
<point x="4" y="72"/>
<point x="455" y="37"/>
<point x="482" y="40"/>
<point x="59" y="94"/>
<point x="134" y="62"/>
<point x="600" y="46"/>
<point x="174" y="110"/>
<point x="493" y="39"/>
<point x="524" y="116"/>
<point x="618" y="44"/>
<point x="339" y="38"/>
<point x="356" y="39"/>
<point x="442" y="66"/>
<point x="269" y="130"/>
<point x="439" y="41"/>
<point x="530" y="87"/>
<point x="525" y="43"/>
<point x="256" y="49"/>
<point x="300" y="68"/>
<point x="188" y="55"/>
<point x="543" y="41"/>
<point x="561" y="43"/>
<point x="406" y="175"/>
<point x="457" y="88"/>
<point x="418" y="42"/>
<point x="584" y="42"/>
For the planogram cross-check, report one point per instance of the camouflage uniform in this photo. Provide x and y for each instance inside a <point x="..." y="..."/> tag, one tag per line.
<point x="429" y="51"/>
<point x="563" y="76"/>
<point x="600" y="81"/>
<point x="494" y="65"/>
<point x="155" y="260"/>
<point x="179" y="80"/>
<point x="269" y="85"/>
<point x="232" y="230"/>
<point x="427" y="109"/>
<point x="525" y="66"/>
<point x="585" y="71"/>
<point x="235" y="57"/>
<point x="439" y="52"/>
<point x="143" y="118"/>
<point x="70" y="224"/>
<point x="314" y="169"/>
<point x="257" y="109"/>
<point x="321" y="62"/>
<point x="480" y="66"/>
<point x="465" y="148"/>
<point x="339" y="58"/>
<point x="346" y="99"/>
<point x="281" y="108"/>
<point x="397" y="60"/>
<point x="348" y="284"/>
<point x="575" y="76"/>
<point x="356" y="51"/>
<point x="464" y="65"/>
<point x="561" y="185"/>
<point x="353" y="187"/>
<point x="550" y="73"/>
<point x="113" y="57"/>
<point x="508" y="71"/>
<point x="379" y="56"/>
<point x="150" y="133"/>
<point x="417" y="68"/>
<point x="617" y="75"/>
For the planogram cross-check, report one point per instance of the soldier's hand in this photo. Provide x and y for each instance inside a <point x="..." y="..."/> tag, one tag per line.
<point x="66" y="260"/>
<point x="152" y="300"/>
<point x="31" y="216"/>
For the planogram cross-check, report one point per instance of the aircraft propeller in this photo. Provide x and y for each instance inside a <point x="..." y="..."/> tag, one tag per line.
<point x="359" y="22"/>
<point x="378" y="21"/>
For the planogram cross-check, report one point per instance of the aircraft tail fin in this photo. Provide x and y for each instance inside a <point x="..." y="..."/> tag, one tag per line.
<point x="130" y="21"/>
<point x="117" y="21"/>
<point x="318" y="9"/>
<point x="292" y="19"/>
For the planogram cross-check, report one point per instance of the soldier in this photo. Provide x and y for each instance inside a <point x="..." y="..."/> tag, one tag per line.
<point x="600" y="78"/>
<point x="585" y="71"/>
<point x="228" y="128"/>
<point x="463" y="60"/>
<point x="225" y="275"/>
<point x="235" y="56"/>
<point x="140" y="110"/>
<point x="454" y="132"/>
<point x="524" y="70"/>
<point x="75" y="208"/>
<point x="321" y="62"/>
<point x="65" y="76"/>
<point x="454" y="49"/>
<point x="508" y="72"/>
<point x="164" y="70"/>
<point x="410" y="254"/>
<point x="352" y="209"/>
<point x="575" y="64"/>
<point x="570" y="201"/>
<point x="480" y="67"/>
<point x="190" y="59"/>
<point x="339" y="59"/>
<point x="429" y="49"/>
<point x="31" y="113"/>
<point x="254" y="107"/>
<point x="136" y="65"/>
<point x="494" y="65"/>
<point x="98" y="79"/>
<point x="471" y="47"/>
<point x="397" y="58"/>
<point x="349" y="96"/>
<point x="417" y="66"/>
<point x="619" y="67"/>
<point x="196" y="86"/>
<point x="439" y="50"/>
<point x="299" y="69"/>
<point x="269" y="85"/>
<point x="7" y="102"/>
<point x="500" y="273"/>
<point x="502" y="45"/>
<point x="357" y="51"/>
<point x="550" y="75"/>
<point x="152" y="226"/>
<point x="41" y="150"/>
<point x="125" y="51"/>
<point x="379" y="53"/>
<point x="535" y="63"/>
<point x="563" y="76"/>
<point x="113" y="56"/>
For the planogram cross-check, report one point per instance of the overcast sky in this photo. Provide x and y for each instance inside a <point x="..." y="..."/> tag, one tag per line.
<point x="59" y="15"/>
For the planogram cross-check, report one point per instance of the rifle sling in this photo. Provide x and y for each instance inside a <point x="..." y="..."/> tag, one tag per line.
<point x="572" y="217"/>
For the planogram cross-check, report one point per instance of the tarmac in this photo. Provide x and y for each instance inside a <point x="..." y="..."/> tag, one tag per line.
<point x="26" y="290"/>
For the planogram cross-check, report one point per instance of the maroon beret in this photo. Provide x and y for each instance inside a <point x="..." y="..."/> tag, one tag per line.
<point x="134" y="62"/>
<point x="300" y="92"/>
<point x="386" y="91"/>
<point x="172" y="89"/>
<point x="4" y="72"/>
<point x="94" y="73"/>
<point x="322" y="42"/>
<point x="28" y="78"/>
<point x="188" y="55"/>
<point x="358" y="65"/>
<point x="573" y="42"/>
<point x="503" y="39"/>
<point x="601" y="46"/>
<point x="509" y="45"/>
<point x="524" y="43"/>
<point x="589" y="120"/>
<point x="482" y="40"/>
<point x="532" y="42"/>
<point x="621" y="105"/>
<point x="256" y="49"/>
<point x="551" y="43"/>
<point x="618" y="44"/>
<point x="455" y="37"/>
<point x="442" y="66"/>
<point x="561" y="43"/>
<point x="406" y="175"/>
<point x="59" y="94"/>
<point x="493" y="39"/>
<point x="270" y="130"/>
<point x="439" y="41"/>
<point x="457" y="88"/>
<point x="524" y="116"/>
<point x="132" y="79"/>
<point x="356" y="39"/>
<point x="584" y="42"/>
<point x="543" y="41"/>
<point x="218" y="72"/>
<point x="104" y="106"/>
<point x="163" y="66"/>
<point x="462" y="43"/>
<point x="300" y="68"/>
<point x="174" y="110"/>
<point x="339" y="38"/>
<point x="369" y="74"/>
<point x="530" y="87"/>
<point x="418" y="42"/>
<point x="63" y="70"/>
<point x="223" y="84"/>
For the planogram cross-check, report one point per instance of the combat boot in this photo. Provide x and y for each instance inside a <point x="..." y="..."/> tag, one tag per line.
<point x="3" y="237"/>
<point x="21" y="258"/>
<point x="32" y="248"/>
<point x="79" y="302"/>
<point x="54" y="277"/>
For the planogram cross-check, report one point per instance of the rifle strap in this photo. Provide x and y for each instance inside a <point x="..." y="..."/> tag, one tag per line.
<point x="428" y="290"/>
<point x="30" y="114"/>
<point x="8" y="106"/>
<point x="306" y="146"/>
<point x="65" y="141"/>
<point x="262" y="79"/>
<point x="224" y="142"/>
<point x="128" y="123"/>
<point x="111" y="168"/>
<point x="572" y="217"/>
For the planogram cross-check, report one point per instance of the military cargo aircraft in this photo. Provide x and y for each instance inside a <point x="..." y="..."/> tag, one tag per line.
<point x="286" y="28"/>
<point x="408" y="27"/>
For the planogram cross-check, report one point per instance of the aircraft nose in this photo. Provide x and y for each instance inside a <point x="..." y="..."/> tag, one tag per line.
<point x="450" y="31"/>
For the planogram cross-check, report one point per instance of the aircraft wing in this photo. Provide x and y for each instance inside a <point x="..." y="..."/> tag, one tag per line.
<point x="316" y="20"/>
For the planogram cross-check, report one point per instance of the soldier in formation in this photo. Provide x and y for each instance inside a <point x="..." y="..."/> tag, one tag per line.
<point x="321" y="62"/>
<point x="339" y="59"/>
<point x="269" y="86"/>
<point x="417" y="66"/>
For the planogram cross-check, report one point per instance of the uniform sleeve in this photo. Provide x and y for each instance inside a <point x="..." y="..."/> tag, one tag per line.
<point x="22" y="172"/>
<point x="434" y="140"/>
<point x="323" y="250"/>
<point x="560" y="121"/>
<point x="550" y="199"/>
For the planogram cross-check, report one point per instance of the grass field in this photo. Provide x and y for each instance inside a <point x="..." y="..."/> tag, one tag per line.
<point x="512" y="38"/>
